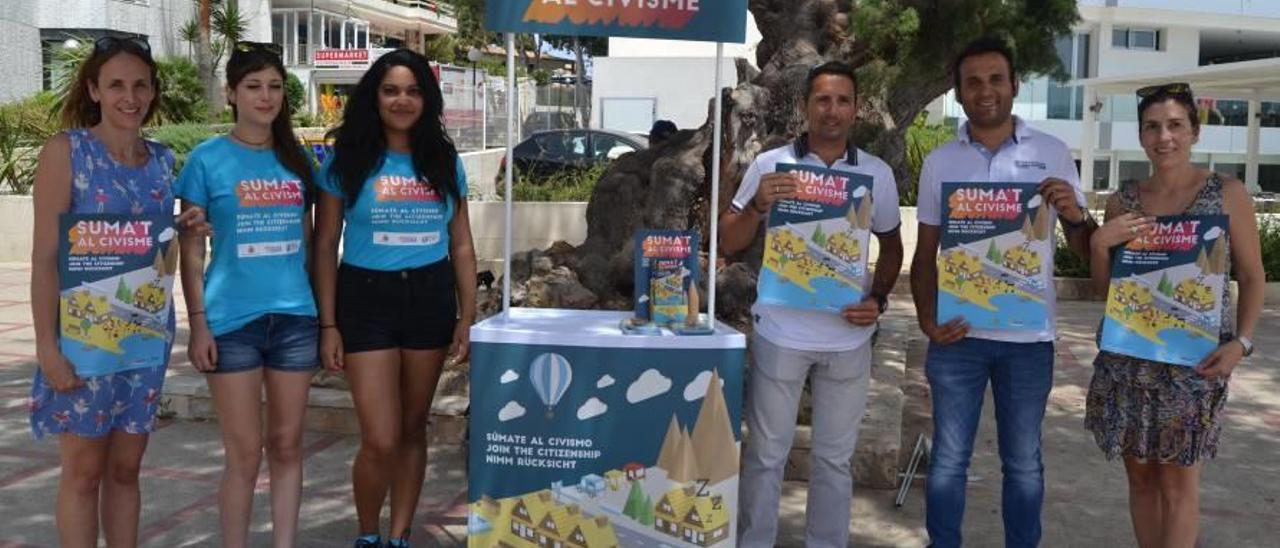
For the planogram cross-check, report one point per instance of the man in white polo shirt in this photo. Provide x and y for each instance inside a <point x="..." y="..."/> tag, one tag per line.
<point x="992" y="146"/>
<point x="790" y="345"/>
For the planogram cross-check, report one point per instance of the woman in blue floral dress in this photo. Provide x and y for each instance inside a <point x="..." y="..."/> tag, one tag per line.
<point x="1163" y="419"/>
<point x="100" y="165"/>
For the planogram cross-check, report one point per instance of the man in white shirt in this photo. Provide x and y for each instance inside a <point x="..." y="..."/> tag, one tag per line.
<point x="789" y="344"/>
<point x="993" y="146"/>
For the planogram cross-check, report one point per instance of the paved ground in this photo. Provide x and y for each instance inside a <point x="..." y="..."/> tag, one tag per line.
<point x="1086" y="503"/>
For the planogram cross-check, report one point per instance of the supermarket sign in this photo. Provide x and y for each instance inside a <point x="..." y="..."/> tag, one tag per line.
<point x="347" y="58"/>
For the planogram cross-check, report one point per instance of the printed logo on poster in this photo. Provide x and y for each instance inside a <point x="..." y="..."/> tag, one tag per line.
<point x="703" y="20"/>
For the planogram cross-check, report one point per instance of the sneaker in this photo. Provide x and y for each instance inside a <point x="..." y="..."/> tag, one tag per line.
<point x="402" y="542"/>
<point x="369" y="541"/>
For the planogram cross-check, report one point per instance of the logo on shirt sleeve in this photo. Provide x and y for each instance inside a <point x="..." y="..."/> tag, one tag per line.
<point x="269" y="192"/>
<point x="396" y="188"/>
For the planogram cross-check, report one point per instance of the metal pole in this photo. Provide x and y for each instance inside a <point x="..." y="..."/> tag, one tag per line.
<point x="715" y="192"/>
<point x="484" y="117"/>
<point x="511" y="130"/>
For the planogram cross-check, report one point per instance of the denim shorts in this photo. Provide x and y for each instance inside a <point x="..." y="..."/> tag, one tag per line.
<point x="282" y="342"/>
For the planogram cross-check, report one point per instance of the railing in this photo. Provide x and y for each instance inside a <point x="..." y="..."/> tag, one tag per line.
<point x="429" y="5"/>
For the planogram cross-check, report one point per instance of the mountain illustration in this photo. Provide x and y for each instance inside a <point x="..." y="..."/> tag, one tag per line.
<point x="709" y="452"/>
<point x="1218" y="257"/>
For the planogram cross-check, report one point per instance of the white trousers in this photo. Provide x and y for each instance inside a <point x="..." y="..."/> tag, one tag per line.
<point x="840" y="381"/>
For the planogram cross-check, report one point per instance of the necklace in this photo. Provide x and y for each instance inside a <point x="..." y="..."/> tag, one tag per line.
<point x="258" y="144"/>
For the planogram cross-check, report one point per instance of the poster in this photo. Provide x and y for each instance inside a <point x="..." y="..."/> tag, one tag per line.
<point x="705" y="20"/>
<point x="115" y="277"/>
<point x="666" y="263"/>
<point x="816" y="247"/>
<point x="996" y="261"/>
<point x="598" y="446"/>
<point x="1165" y="299"/>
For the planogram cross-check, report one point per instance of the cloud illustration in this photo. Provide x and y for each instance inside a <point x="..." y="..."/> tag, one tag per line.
<point x="696" y="389"/>
<point x="605" y="382"/>
<point x="593" y="408"/>
<point x="651" y="383"/>
<point x="511" y="410"/>
<point x="166" y="235"/>
<point x="509" y="376"/>
<point x="860" y="192"/>
<point x="1034" y="202"/>
<point x="1212" y="234"/>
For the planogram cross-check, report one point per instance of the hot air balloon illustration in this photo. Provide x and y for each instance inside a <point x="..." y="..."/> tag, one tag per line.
<point x="550" y="374"/>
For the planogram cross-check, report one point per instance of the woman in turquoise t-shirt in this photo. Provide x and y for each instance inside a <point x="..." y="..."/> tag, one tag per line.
<point x="404" y="297"/>
<point x="252" y="314"/>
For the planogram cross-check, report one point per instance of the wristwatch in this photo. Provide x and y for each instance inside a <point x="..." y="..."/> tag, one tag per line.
<point x="883" y="303"/>
<point x="1247" y="344"/>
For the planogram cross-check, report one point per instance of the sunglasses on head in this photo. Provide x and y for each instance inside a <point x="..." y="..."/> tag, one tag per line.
<point x="107" y="44"/>
<point x="1175" y="88"/>
<point x="258" y="47"/>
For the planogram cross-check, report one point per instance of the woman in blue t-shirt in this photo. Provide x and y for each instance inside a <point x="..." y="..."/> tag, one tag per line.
<point x="252" y="314"/>
<point x="394" y="310"/>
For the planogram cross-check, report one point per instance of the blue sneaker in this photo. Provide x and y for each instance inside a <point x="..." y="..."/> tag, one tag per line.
<point x="369" y="541"/>
<point x="402" y="542"/>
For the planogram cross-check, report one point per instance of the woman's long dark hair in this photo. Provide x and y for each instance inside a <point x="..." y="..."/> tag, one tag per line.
<point x="360" y="144"/>
<point x="283" y="141"/>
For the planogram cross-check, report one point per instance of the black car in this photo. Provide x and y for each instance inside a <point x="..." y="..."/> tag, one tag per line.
<point x="547" y="152"/>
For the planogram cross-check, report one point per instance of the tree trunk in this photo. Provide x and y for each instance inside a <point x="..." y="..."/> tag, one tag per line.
<point x="204" y="58"/>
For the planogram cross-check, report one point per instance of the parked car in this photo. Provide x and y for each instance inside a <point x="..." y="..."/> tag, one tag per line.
<point x="544" y="120"/>
<point x="547" y="152"/>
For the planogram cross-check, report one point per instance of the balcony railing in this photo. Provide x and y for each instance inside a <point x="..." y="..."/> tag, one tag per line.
<point x="430" y="5"/>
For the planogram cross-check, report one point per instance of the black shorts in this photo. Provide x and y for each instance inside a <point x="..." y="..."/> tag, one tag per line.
<point x="415" y="309"/>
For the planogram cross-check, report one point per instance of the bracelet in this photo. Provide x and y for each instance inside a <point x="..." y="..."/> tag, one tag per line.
<point x="329" y="326"/>
<point x="194" y="314"/>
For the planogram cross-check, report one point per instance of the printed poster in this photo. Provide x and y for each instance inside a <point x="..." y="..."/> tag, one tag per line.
<point x="702" y="20"/>
<point x="996" y="258"/>
<point x="666" y="262"/>
<point x="602" y="447"/>
<point x="1165" y="299"/>
<point x="115" y="277"/>
<point x="267" y="218"/>
<point x="816" y="247"/>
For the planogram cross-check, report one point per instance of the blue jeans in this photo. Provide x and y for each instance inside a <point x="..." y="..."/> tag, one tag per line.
<point x="1021" y="376"/>
<point x="281" y="342"/>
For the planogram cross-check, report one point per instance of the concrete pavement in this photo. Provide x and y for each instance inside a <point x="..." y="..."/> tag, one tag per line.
<point x="1086" y="497"/>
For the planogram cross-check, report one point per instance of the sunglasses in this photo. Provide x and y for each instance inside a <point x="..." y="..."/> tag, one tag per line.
<point x="1175" y="88"/>
<point x="258" y="47"/>
<point x="108" y="44"/>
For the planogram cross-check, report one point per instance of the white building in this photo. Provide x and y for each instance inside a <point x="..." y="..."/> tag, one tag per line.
<point x="30" y="30"/>
<point x="324" y="41"/>
<point x="1138" y="37"/>
<point x="643" y="80"/>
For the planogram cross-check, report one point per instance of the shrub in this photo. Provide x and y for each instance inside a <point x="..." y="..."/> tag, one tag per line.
<point x="181" y="138"/>
<point x="24" y="127"/>
<point x="1269" y="234"/>
<point x="922" y="138"/>
<point x="1066" y="263"/>
<point x="294" y="93"/>
<point x="182" y="99"/>
<point x="564" y="186"/>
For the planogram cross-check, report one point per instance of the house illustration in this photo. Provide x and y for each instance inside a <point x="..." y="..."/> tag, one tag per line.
<point x="536" y="519"/>
<point x="615" y="479"/>
<point x="592" y="485"/>
<point x="633" y="470"/>
<point x="699" y="519"/>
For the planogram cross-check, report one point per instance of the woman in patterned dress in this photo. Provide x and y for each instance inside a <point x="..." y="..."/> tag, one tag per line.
<point x="100" y="164"/>
<point x="1164" y="419"/>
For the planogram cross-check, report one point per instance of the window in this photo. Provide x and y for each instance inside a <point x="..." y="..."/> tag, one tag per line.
<point x="1135" y="38"/>
<point x="1101" y="173"/>
<point x="609" y="147"/>
<point x="1067" y="102"/>
<point x="1268" y="177"/>
<point x="1132" y="171"/>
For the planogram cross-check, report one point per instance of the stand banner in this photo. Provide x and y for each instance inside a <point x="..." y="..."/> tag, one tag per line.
<point x="700" y="20"/>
